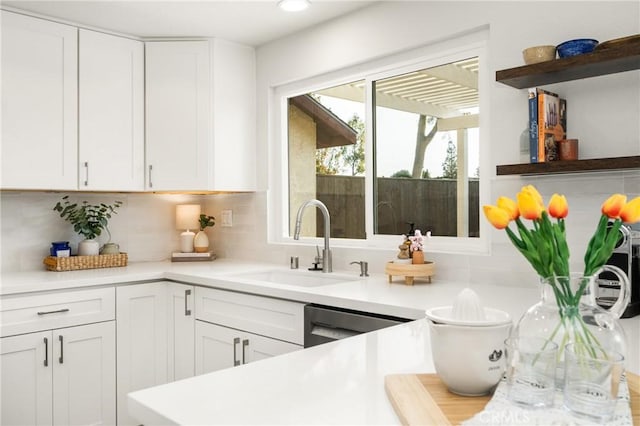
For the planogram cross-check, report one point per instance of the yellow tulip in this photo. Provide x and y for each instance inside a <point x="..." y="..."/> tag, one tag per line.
<point x="529" y="205"/>
<point x="510" y="206"/>
<point x="534" y="193"/>
<point x="498" y="217"/>
<point x="613" y="205"/>
<point x="630" y="213"/>
<point x="558" y="206"/>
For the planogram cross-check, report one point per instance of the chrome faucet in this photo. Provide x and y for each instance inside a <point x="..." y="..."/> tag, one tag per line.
<point x="326" y="252"/>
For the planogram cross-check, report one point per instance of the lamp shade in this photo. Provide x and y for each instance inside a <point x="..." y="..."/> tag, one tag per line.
<point x="188" y="216"/>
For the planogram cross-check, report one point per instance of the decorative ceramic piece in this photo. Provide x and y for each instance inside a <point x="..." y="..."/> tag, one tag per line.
<point x="201" y="242"/>
<point x="88" y="248"/>
<point x="417" y="257"/>
<point x="576" y="47"/>
<point x="110" y="248"/>
<point x="536" y="54"/>
<point x="59" y="246"/>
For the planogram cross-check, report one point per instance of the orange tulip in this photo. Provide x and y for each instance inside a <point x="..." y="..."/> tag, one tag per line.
<point x="630" y="213"/>
<point x="558" y="206"/>
<point x="613" y="205"/>
<point x="529" y="205"/>
<point x="510" y="206"/>
<point x="498" y="217"/>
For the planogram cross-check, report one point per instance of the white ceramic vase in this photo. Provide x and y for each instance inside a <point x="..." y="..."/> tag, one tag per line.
<point x="88" y="248"/>
<point x="201" y="242"/>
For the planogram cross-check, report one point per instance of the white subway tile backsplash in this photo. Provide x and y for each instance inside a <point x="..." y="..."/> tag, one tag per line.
<point x="145" y="228"/>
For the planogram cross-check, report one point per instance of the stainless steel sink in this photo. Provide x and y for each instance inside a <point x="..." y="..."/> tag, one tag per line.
<point x="294" y="278"/>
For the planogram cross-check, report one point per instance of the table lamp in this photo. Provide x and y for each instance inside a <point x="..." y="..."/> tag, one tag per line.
<point x="187" y="218"/>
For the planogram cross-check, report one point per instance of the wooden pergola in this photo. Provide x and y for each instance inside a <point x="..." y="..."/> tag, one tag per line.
<point x="449" y="93"/>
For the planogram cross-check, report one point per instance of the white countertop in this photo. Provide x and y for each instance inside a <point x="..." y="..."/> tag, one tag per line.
<point x="371" y="294"/>
<point x="335" y="383"/>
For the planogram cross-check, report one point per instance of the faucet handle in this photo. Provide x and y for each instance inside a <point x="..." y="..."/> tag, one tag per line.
<point x="364" y="267"/>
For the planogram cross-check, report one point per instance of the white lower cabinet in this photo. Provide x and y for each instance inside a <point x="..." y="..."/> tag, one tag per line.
<point x="181" y="331"/>
<point x="236" y="328"/>
<point x="155" y="337"/>
<point x="219" y="347"/>
<point x="60" y="377"/>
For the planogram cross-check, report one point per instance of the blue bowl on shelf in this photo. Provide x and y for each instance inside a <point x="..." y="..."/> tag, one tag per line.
<point x="575" y="47"/>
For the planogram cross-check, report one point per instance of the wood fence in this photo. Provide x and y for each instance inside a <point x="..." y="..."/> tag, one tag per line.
<point x="428" y="203"/>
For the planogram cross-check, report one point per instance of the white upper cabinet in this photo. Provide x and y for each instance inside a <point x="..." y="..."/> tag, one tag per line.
<point x="177" y="112"/>
<point x="111" y="113"/>
<point x="234" y="116"/>
<point x="200" y="116"/>
<point x="39" y="104"/>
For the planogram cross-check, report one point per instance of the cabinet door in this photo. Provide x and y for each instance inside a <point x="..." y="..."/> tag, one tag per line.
<point x="26" y="380"/>
<point x="216" y="347"/>
<point x="142" y="340"/>
<point x="111" y="112"/>
<point x="234" y="116"/>
<point x="255" y="347"/>
<point x="84" y="374"/>
<point x="177" y="115"/>
<point x="39" y="104"/>
<point x="181" y="328"/>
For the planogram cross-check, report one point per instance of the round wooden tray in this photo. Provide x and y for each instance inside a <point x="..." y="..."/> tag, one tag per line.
<point x="410" y="271"/>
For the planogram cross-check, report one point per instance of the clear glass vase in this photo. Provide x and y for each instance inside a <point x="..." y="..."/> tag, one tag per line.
<point x="568" y="313"/>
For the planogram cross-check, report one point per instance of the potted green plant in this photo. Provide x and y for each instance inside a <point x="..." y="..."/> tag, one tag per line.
<point x="201" y="241"/>
<point x="88" y="220"/>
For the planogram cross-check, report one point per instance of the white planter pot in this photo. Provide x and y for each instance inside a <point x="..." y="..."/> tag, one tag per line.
<point x="88" y="248"/>
<point x="201" y="242"/>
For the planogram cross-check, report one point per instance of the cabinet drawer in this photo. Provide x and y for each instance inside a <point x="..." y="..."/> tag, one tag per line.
<point x="265" y="316"/>
<point x="45" y="311"/>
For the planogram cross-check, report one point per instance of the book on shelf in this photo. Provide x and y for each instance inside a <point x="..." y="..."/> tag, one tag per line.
<point x="533" y="125"/>
<point x="547" y="124"/>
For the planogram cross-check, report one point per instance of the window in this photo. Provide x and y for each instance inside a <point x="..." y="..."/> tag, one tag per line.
<point x="395" y="147"/>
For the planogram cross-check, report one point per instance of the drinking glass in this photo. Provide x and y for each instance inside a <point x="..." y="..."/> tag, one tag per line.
<point x="592" y="381"/>
<point x="531" y="371"/>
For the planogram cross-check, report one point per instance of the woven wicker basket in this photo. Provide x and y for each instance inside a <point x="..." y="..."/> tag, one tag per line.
<point x="75" y="263"/>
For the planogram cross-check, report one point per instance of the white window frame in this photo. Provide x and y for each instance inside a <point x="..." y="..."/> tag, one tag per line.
<point x="448" y="51"/>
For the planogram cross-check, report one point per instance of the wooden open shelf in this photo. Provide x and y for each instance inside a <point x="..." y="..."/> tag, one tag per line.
<point x="599" y="62"/>
<point x="576" y="166"/>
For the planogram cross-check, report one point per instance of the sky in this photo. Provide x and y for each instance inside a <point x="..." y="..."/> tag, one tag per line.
<point x="397" y="139"/>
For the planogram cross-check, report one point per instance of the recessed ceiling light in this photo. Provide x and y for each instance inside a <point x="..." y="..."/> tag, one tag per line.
<point x="293" y="5"/>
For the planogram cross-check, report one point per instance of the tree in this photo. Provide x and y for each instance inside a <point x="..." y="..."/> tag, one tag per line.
<point x="422" y="141"/>
<point x="450" y="164"/>
<point x="404" y="173"/>
<point x="328" y="161"/>
<point x="425" y="174"/>
<point x="338" y="159"/>
<point x="353" y="155"/>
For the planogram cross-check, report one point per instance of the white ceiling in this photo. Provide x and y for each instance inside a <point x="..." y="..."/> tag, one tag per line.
<point x="248" y="22"/>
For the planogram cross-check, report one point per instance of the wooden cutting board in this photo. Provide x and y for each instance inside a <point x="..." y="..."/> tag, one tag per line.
<point x="422" y="399"/>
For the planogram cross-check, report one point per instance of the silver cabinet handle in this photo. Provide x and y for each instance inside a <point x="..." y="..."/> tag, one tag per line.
<point x="187" y="311"/>
<point x="235" y="356"/>
<point x="46" y="352"/>
<point x="86" y="170"/>
<point x="245" y="343"/>
<point x="59" y="311"/>
<point x="61" y="359"/>
<point x="150" y="182"/>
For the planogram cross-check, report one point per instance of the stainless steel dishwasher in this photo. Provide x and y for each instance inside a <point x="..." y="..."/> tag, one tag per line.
<point x="323" y="324"/>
